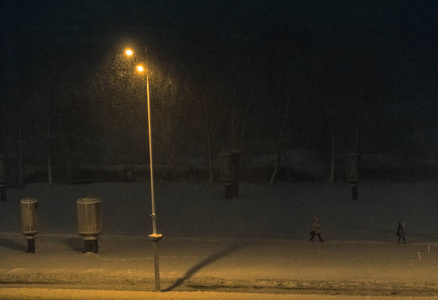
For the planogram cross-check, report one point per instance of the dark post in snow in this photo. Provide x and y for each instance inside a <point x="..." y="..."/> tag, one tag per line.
<point x="2" y="177"/>
<point x="90" y="222"/>
<point x="230" y="172"/>
<point x="29" y="221"/>
<point x="352" y="167"/>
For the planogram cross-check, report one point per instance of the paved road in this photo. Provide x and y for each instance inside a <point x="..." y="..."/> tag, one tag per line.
<point x="80" y="294"/>
<point x="191" y="266"/>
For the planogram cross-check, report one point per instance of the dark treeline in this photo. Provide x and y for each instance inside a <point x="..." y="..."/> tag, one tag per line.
<point x="286" y="82"/>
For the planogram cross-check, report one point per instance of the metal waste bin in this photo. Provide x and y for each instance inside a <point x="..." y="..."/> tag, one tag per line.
<point x="352" y="168"/>
<point x="230" y="172"/>
<point x="29" y="221"/>
<point x="89" y="210"/>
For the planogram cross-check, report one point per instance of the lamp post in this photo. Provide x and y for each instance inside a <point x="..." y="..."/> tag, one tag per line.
<point x="154" y="237"/>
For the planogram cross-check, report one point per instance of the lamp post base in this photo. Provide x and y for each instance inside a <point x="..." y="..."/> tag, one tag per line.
<point x="155" y="237"/>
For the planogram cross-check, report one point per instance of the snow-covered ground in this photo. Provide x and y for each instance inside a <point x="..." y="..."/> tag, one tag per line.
<point x="258" y="240"/>
<point x="193" y="209"/>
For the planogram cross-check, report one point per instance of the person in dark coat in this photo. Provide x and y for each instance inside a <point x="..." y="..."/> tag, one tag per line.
<point x="316" y="229"/>
<point x="401" y="232"/>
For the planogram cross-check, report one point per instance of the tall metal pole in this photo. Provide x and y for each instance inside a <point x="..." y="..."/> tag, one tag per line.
<point x="154" y="221"/>
<point x="154" y="237"/>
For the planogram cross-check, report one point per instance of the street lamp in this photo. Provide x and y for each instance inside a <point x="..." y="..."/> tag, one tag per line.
<point x="154" y="237"/>
<point x="140" y="69"/>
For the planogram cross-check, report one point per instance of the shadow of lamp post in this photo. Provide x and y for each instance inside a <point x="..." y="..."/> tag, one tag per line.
<point x="154" y="237"/>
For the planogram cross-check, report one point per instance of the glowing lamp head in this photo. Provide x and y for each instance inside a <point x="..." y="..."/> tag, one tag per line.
<point x="139" y="68"/>
<point x="129" y="52"/>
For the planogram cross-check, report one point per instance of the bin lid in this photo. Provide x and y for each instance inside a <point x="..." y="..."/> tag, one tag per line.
<point x="89" y="200"/>
<point x="28" y="200"/>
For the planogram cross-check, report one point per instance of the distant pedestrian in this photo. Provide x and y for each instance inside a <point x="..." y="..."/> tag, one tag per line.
<point x="316" y="229"/>
<point x="401" y="232"/>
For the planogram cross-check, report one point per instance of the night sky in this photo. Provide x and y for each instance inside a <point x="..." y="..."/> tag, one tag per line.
<point x="295" y="76"/>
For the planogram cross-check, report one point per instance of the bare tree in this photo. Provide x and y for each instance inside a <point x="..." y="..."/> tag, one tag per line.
<point x="280" y="138"/>
<point x="208" y="133"/>
<point x="49" y="154"/>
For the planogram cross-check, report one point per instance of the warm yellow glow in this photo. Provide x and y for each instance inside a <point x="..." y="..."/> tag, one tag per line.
<point x="140" y="68"/>
<point x="129" y="52"/>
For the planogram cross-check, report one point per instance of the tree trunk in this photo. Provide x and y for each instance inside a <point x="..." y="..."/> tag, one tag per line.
<point x="209" y="144"/>
<point x="332" y="171"/>
<point x="69" y="170"/>
<point x="49" y="155"/>
<point x="277" y="165"/>
<point x="356" y="137"/>
<point x="245" y="120"/>
<point x="280" y="141"/>
<point x="20" y="149"/>
<point x="233" y="110"/>
<point x="241" y="138"/>
<point x="49" y="169"/>
<point x="210" y="164"/>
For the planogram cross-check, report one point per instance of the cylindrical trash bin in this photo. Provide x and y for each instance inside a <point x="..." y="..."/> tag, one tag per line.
<point x="352" y="167"/>
<point x="29" y="221"/>
<point x="230" y="165"/>
<point x="230" y="172"/>
<point x="90" y="221"/>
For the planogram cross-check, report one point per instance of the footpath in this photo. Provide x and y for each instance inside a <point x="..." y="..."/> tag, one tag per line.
<point x="202" y="265"/>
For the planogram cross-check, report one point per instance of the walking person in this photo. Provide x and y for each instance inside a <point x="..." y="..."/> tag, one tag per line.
<point x="401" y="232"/>
<point x="316" y="229"/>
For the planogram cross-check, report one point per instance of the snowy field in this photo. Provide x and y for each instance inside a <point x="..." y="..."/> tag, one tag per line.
<point x="193" y="209"/>
<point x="257" y="241"/>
